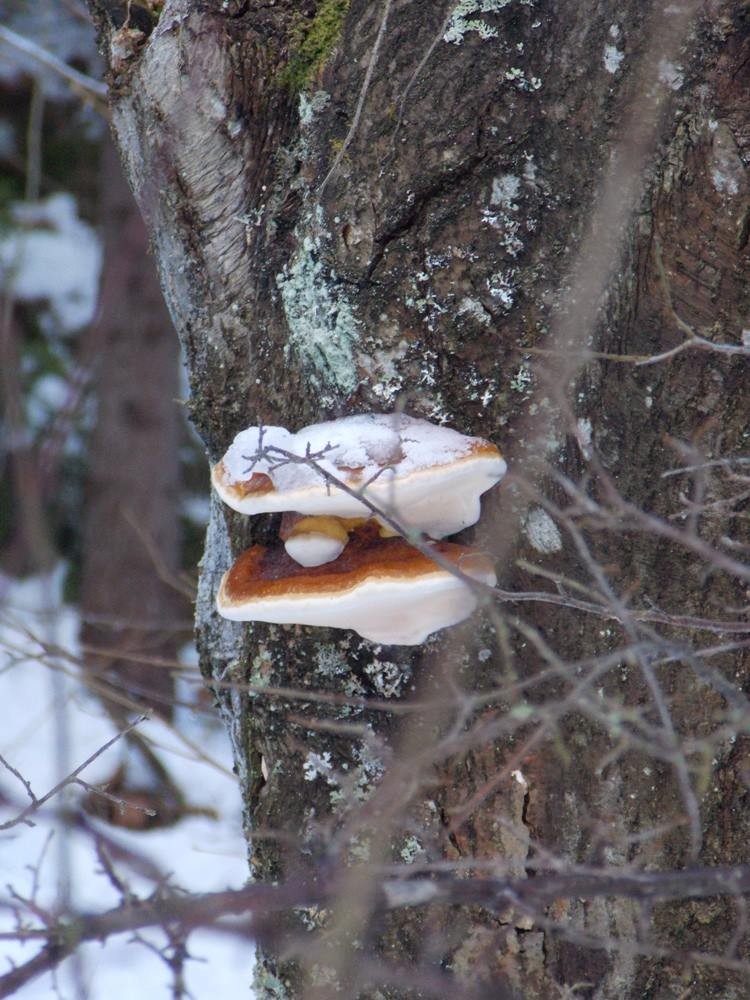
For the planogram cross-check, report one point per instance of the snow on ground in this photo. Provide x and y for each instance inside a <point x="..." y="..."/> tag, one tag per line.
<point x="38" y="706"/>
<point x="51" y="255"/>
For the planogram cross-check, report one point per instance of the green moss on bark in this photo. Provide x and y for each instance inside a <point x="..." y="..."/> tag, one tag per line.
<point x="313" y="44"/>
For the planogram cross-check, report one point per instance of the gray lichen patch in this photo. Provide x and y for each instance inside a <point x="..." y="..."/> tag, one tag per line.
<point x="355" y="783"/>
<point x="217" y="557"/>
<point x="267" y="986"/>
<point x="310" y="106"/>
<point x="412" y="850"/>
<point x="387" y="678"/>
<point x="323" y="329"/>
<point x="331" y="660"/>
<point x="465" y="18"/>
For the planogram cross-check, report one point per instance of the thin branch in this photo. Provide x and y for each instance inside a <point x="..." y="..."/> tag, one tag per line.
<point x="392" y="893"/>
<point x="415" y="75"/>
<point x="37" y="803"/>
<point x="17" y="774"/>
<point x="361" y="102"/>
<point x="79" y="82"/>
<point x="163" y="571"/>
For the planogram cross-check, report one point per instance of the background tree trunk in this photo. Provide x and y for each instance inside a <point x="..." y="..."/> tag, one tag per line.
<point x="402" y="232"/>
<point x="133" y="602"/>
<point x="131" y="528"/>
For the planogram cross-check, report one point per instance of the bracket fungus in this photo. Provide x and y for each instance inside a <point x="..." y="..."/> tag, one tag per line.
<point x="382" y="588"/>
<point x="343" y="565"/>
<point x="316" y="539"/>
<point x="428" y="477"/>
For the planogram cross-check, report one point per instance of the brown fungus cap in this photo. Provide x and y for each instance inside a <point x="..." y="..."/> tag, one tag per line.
<point x="382" y="588"/>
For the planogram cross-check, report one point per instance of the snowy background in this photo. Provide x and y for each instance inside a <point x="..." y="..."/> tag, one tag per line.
<point x="51" y="262"/>
<point x="41" y="701"/>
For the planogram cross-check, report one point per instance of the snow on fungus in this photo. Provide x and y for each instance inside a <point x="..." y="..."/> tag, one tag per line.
<point x="428" y="477"/>
<point x="382" y="588"/>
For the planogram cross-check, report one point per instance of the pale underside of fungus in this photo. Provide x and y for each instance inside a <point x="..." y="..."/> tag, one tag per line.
<point x="382" y="588"/>
<point x="426" y="477"/>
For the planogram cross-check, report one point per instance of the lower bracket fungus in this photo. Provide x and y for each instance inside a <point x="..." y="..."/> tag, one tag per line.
<point x="383" y="588"/>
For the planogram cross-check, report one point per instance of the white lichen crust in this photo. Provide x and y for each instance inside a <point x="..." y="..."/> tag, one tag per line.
<point x="542" y="532"/>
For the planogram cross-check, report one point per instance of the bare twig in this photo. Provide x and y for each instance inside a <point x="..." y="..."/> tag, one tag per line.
<point x="394" y="892"/>
<point x="69" y="779"/>
<point x="82" y="84"/>
<point x="362" y="96"/>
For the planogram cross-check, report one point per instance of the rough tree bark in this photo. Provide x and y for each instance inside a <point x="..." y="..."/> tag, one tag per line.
<point x="356" y="206"/>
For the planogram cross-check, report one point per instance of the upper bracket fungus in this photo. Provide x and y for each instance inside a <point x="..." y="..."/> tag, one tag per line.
<point x="428" y="478"/>
<point x="383" y="588"/>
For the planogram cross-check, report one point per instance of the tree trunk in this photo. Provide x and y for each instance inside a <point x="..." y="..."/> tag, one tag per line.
<point x="360" y="206"/>
<point x="131" y="546"/>
<point x="131" y="600"/>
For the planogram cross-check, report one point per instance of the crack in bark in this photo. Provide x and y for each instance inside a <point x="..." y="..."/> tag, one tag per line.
<point x="407" y="217"/>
